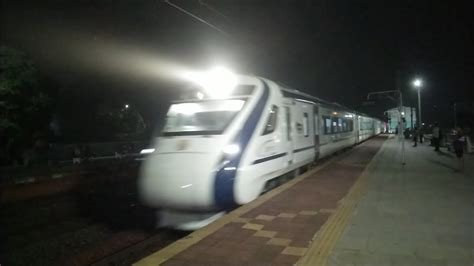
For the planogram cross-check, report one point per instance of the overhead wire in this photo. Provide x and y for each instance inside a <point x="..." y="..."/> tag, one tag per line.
<point x="213" y="9"/>
<point x="196" y="17"/>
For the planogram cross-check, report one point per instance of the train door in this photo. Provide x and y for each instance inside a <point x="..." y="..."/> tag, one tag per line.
<point x="289" y="133"/>
<point x="316" y="130"/>
<point x="358" y="128"/>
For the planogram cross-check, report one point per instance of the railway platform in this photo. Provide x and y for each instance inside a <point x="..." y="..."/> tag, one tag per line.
<point x="361" y="207"/>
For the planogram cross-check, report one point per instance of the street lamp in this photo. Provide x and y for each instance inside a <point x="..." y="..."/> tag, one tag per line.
<point x="417" y="83"/>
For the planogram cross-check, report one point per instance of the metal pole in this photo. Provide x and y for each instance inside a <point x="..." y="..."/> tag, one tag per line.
<point x="419" y="109"/>
<point x="402" y="124"/>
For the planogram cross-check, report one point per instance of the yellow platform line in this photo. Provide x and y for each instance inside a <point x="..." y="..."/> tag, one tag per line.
<point x="326" y="238"/>
<point x="180" y="245"/>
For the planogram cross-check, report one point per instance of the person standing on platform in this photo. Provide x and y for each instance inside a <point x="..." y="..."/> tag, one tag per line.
<point x="420" y="133"/>
<point x="436" y="136"/>
<point x="415" y="136"/>
<point x="458" y="146"/>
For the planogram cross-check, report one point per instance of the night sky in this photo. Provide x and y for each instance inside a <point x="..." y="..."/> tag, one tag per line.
<point x="337" y="50"/>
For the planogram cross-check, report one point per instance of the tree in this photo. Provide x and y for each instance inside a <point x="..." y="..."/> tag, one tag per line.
<point x="120" y="122"/>
<point x="24" y="103"/>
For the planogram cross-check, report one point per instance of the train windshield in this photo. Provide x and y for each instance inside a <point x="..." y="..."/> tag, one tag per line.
<point x="201" y="118"/>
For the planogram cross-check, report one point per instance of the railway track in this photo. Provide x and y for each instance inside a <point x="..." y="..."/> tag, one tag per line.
<point x="99" y="223"/>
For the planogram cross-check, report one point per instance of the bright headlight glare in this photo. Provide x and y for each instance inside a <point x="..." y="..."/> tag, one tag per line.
<point x="218" y="82"/>
<point x="147" y="151"/>
<point x="231" y="149"/>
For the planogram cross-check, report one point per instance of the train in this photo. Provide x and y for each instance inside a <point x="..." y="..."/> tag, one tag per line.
<point x="219" y="151"/>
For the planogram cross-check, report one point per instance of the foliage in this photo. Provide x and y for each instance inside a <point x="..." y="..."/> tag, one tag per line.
<point x="120" y="122"/>
<point x="23" y="102"/>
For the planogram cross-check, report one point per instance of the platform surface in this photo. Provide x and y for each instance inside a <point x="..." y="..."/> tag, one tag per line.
<point x="418" y="214"/>
<point x="362" y="207"/>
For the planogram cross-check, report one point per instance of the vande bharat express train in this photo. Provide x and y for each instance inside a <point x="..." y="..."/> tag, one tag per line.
<point x="216" y="154"/>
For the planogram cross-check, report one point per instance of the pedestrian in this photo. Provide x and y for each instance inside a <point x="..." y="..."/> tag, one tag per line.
<point x="415" y="136"/>
<point x="458" y="146"/>
<point x="436" y="136"/>
<point x="406" y="133"/>
<point x="420" y="134"/>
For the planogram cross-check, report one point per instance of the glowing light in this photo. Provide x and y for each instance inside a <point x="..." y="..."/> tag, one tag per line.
<point x="348" y="116"/>
<point x="403" y="113"/>
<point x="200" y="95"/>
<point x="218" y="82"/>
<point x="417" y="83"/>
<point x="230" y="168"/>
<point x="186" y="186"/>
<point x="185" y="108"/>
<point x="334" y="113"/>
<point x="126" y="106"/>
<point x="147" y="151"/>
<point x="231" y="149"/>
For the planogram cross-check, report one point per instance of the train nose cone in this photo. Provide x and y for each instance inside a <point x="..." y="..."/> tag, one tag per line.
<point x="178" y="181"/>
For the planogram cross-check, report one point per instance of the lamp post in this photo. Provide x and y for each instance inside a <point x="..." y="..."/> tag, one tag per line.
<point x="417" y="83"/>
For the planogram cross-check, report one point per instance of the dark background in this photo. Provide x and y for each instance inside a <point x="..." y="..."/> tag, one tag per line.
<point x="119" y="51"/>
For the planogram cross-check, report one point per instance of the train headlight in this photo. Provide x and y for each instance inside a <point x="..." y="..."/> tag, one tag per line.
<point x="147" y="151"/>
<point x="231" y="149"/>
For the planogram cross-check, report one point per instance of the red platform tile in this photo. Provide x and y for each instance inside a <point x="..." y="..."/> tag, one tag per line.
<point x="320" y="193"/>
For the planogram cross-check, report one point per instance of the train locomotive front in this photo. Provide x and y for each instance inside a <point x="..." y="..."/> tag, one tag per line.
<point x="190" y="176"/>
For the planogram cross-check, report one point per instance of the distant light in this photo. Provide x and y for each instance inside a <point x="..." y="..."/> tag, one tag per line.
<point x="348" y="116"/>
<point x="231" y="149"/>
<point x="147" y="151"/>
<point x="417" y="83"/>
<point x="334" y="113"/>
<point x="422" y="124"/>
<point x="126" y="106"/>
<point x="218" y="82"/>
<point x="200" y="95"/>
<point x="403" y="113"/>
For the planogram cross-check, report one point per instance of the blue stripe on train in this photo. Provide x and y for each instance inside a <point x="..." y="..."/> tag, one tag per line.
<point x="225" y="176"/>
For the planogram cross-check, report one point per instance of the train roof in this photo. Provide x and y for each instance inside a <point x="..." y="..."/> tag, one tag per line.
<point x="290" y="92"/>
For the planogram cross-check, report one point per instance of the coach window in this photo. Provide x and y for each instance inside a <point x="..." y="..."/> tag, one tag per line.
<point x="344" y="125"/>
<point x="327" y="125"/>
<point x="305" y="125"/>
<point x="272" y="121"/>
<point x="334" y="125"/>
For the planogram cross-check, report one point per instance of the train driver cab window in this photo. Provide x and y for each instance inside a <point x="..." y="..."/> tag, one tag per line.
<point x="271" y="121"/>
<point x="305" y="125"/>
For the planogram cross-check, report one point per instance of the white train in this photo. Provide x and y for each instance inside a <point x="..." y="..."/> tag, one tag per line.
<point x="218" y="153"/>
